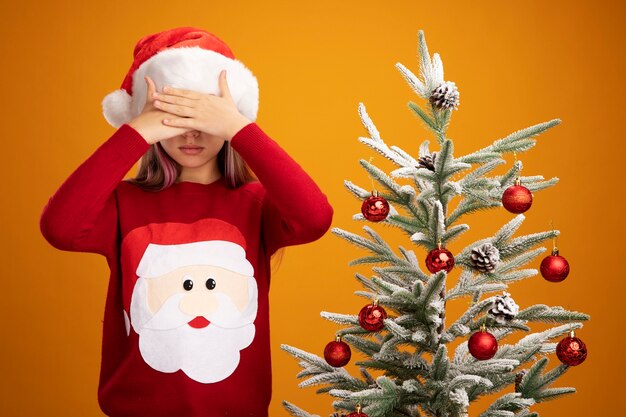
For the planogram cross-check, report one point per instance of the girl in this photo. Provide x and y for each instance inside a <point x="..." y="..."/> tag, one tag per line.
<point x="189" y="240"/>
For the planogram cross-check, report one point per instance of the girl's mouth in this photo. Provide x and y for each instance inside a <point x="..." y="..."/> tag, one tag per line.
<point x="191" y="150"/>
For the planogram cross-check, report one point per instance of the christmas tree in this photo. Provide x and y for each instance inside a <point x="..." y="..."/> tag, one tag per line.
<point x="402" y="332"/>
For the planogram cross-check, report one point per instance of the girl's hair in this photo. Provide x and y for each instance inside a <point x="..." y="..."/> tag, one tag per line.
<point x="158" y="171"/>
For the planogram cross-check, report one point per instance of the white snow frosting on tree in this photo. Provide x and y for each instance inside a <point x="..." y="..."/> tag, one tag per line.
<point x="418" y="376"/>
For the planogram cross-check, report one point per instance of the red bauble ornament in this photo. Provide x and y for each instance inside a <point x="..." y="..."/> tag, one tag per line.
<point x="357" y="413"/>
<point x="337" y="353"/>
<point x="438" y="259"/>
<point x="554" y="268"/>
<point x="372" y="317"/>
<point x="517" y="198"/>
<point x="375" y="208"/>
<point x="571" y="350"/>
<point x="482" y="345"/>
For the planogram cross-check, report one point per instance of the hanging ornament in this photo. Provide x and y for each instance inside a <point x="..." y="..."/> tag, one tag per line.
<point x="482" y="344"/>
<point x="571" y="350"/>
<point x="517" y="198"/>
<point x="504" y="308"/>
<point x="375" y="208"/>
<point x="357" y="413"/>
<point x="445" y="96"/>
<point x="337" y="353"/>
<point x="372" y="317"/>
<point x="554" y="268"/>
<point x="485" y="257"/>
<point x="438" y="259"/>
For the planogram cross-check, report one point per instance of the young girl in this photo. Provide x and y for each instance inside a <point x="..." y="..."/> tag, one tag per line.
<point x="189" y="241"/>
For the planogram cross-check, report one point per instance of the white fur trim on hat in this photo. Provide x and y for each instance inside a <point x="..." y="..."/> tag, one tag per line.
<point x="189" y="68"/>
<point x="159" y="260"/>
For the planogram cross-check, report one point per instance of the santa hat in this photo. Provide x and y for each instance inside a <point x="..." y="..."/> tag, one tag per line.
<point x="187" y="58"/>
<point x="158" y="248"/>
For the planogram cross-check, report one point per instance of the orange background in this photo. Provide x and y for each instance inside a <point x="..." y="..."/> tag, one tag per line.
<point x="515" y="63"/>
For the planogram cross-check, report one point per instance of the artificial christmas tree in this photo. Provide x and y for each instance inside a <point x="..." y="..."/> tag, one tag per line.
<point x="409" y="349"/>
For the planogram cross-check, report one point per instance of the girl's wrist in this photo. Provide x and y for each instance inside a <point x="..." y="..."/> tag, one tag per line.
<point x="143" y="131"/>
<point x="236" y="125"/>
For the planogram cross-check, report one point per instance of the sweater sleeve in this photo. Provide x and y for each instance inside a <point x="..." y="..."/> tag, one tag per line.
<point x="295" y="210"/>
<point x="82" y="215"/>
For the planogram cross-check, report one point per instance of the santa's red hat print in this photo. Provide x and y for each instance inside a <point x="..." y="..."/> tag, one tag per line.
<point x="188" y="58"/>
<point x="192" y="296"/>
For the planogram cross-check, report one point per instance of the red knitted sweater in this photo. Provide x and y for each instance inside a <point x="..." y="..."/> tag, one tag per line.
<point x="94" y="210"/>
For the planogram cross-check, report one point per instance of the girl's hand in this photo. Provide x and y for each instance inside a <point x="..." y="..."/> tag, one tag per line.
<point x="208" y="113"/>
<point x="149" y="123"/>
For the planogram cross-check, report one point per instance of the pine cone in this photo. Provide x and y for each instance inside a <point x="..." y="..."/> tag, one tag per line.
<point x="446" y="96"/>
<point x="504" y="308"/>
<point x="518" y="379"/>
<point x="485" y="257"/>
<point x="427" y="161"/>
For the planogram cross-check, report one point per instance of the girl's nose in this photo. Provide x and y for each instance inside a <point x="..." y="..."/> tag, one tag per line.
<point x="192" y="133"/>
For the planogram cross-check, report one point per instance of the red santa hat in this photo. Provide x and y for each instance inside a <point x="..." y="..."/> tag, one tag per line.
<point x="158" y="248"/>
<point x="187" y="58"/>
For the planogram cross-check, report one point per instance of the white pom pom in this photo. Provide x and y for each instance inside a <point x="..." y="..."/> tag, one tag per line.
<point x="116" y="107"/>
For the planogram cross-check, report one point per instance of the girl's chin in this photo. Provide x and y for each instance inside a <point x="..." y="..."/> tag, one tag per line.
<point x="193" y="161"/>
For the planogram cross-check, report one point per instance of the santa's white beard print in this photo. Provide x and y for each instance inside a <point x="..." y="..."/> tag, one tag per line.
<point x="209" y="354"/>
<point x="206" y="355"/>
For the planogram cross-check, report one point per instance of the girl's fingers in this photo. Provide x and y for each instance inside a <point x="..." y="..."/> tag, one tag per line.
<point x="224" y="85"/>
<point x="174" y="108"/>
<point x="180" y="92"/>
<point x="150" y="90"/>
<point x="183" y="122"/>
<point x="181" y="101"/>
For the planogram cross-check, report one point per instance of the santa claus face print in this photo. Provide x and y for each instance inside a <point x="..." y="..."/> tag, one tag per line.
<point x="195" y="318"/>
